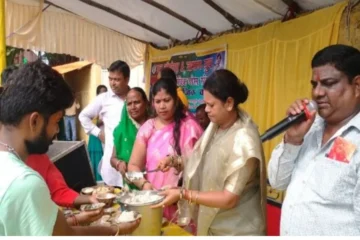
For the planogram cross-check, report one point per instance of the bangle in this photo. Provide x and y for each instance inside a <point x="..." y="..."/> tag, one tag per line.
<point x="171" y="160"/>
<point x="181" y="193"/>
<point x="196" y="198"/>
<point x="142" y="185"/>
<point x="186" y="194"/>
<point x="75" y="222"/>
<point x="190" y="196"/>
<point x="117" y="165"/>
<point x="177" y="164"/>
<point x="118" y="231"/>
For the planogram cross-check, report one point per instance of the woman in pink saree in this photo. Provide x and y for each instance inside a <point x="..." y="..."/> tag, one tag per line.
<point x="170" y="134"/>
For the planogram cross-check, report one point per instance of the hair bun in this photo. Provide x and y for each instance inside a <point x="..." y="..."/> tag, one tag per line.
<point x="244" y="93"/>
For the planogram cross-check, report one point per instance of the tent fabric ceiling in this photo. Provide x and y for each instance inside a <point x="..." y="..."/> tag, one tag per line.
<point x="249" y="12"/>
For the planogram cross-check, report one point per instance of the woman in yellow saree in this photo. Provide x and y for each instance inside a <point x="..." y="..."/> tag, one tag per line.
<point x="224" y="189"/>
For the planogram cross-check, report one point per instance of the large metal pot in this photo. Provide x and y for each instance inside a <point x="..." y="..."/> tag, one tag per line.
<point x="151" y="220"/>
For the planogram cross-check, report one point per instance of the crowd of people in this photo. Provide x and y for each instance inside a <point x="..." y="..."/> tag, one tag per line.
<point x="211" y="164"/>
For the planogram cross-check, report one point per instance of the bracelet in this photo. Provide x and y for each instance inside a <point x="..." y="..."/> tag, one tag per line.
<point x="118" y="230"/>
<point x="171" y="160"/>
<point x="186" y="194"/>
<point x="117" y="166"/>
<point x="190" y="196"/>
<point x="179" y="162"/>
<point x="142" y="185"/>
<point x="196" y="198"/>
<point x="181" y="193"/>
<point x="75" y="221"/>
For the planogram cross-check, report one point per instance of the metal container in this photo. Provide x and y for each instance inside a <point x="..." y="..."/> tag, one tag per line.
<point x="151" y="218"/>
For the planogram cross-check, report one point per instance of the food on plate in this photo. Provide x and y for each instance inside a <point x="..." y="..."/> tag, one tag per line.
<point x="127" y="216"/>
<point x="92" y="207"/>
<point x="141" y="198"/>
<point x="107" y="198"/>
<point x="103" y="189"/>
<point x="87" y="190"/>
<point x="133" y="176"/>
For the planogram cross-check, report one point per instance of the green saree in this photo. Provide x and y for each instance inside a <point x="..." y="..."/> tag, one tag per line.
<point x="124" y="138"/>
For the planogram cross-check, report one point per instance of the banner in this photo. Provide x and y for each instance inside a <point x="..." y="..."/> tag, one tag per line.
<point x="192" y="69"/>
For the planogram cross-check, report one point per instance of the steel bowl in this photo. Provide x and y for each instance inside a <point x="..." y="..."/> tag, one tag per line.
<point x="151" y="218"/>
<point x="107" y="198"/>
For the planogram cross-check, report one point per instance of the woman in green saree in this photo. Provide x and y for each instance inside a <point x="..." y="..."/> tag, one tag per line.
<point x="132" y="117"/>
<point x="95" y="146"/>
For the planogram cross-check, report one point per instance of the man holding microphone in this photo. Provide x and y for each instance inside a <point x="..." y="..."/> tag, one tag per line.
<point x="318" y="161"/>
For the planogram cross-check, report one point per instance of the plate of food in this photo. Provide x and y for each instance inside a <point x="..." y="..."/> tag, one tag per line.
<point x="92" y="207"/>
<point x="114" y="218"/>
<point x="107" y="198"/>
<point x="128" y="216"/>
<point x="87" y="190"/>
<point x="103" y="190"/>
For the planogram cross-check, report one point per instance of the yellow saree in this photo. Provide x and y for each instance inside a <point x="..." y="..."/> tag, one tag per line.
<point x="233" y="160"/>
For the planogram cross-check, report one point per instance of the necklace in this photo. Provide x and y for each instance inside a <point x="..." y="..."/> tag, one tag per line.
<point x="10" y="149"/>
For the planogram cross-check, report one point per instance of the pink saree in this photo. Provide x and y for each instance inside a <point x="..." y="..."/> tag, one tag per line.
<point x="159" y="143"/>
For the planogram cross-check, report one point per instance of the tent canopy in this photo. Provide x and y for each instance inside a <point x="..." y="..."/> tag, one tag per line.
<point x="161" y="21"/>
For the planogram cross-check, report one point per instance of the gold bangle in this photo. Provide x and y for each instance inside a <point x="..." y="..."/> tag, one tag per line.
<point x="118" y="230"/>
<point x="75" y="222"/>
<point x="181" y="193"/>
<point x="186" y="192"/>
<point x="142" y="185"/>
<point x="117" y="165"/>
<point x="196" y="198"/>
<point x="178" y="163"/>
<point x="171" y="160"/>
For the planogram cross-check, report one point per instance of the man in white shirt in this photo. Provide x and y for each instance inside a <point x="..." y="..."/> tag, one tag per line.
<point x="108" y="107"/>
<point x="318" y="161"/>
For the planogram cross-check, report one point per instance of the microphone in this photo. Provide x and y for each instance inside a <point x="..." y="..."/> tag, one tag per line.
<point x="287" y="122"/>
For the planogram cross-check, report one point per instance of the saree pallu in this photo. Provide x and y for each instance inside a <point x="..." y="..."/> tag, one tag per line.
<point x="229" y="160"/>
<point x="124" y="139"/>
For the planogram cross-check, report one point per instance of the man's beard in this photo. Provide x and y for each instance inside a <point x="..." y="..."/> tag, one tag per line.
<point x="40" y="145"/>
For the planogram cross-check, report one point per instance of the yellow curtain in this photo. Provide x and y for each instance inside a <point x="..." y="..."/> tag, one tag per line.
<point x="273" y="61"/>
